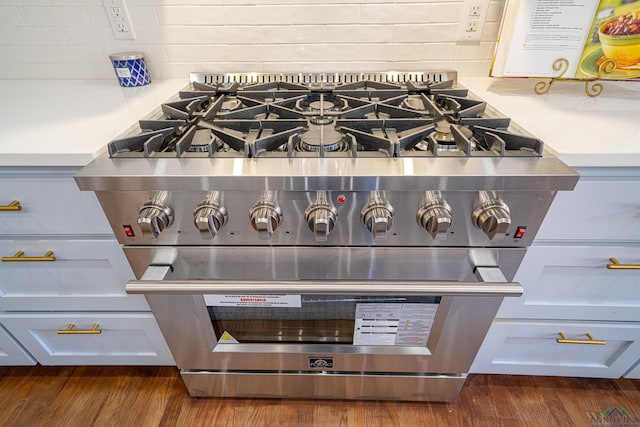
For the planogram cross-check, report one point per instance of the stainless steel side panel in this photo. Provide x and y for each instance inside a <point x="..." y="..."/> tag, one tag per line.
<point x="435" y="388"/>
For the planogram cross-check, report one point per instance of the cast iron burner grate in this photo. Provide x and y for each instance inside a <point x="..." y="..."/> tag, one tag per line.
<point x="310" y="118"/>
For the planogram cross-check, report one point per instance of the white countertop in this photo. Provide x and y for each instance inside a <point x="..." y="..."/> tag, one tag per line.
<point x="584" y="132"/>
<point x="69" y="122"/>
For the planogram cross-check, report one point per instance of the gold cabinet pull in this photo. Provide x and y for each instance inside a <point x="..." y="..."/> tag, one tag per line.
<point x="70" y="331"/>
<point x="13" y="206"/>
<point x="615" y="265"/>
<point x="18" y="257"/>
<point x="563" y="340"/>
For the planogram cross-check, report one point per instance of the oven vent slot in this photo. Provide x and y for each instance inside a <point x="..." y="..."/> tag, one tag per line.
<point x="335" y="78"/>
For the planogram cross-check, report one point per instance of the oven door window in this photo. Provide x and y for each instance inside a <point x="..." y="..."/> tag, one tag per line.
<point x="356" y="320"/>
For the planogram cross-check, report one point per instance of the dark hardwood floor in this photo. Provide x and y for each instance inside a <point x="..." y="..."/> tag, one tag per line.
<point x="150" y="396"/>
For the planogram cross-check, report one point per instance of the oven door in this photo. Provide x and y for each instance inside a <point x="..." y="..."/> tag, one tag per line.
<point x="324" y="309"/>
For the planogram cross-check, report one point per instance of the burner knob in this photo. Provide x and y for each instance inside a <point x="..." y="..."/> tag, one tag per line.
<point x="153" y="218"/>
<point x="435" y="216"/>
<point x="377" y="217"/>
<point x="321" y="217"/>
<point x="209" y="217"/>
<point x="491" y="215"/>
<point x="265" y="217"/>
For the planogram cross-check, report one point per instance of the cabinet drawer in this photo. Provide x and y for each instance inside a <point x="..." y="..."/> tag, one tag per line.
<point x="11" y="352"/>
<point x="50" y="205"/>
<point x="595" y="210"/>
<point x="530" y="348"/>
<point x="573" y="282"/>
<point x="86" y="275"/>
<point x="124" y="338"/>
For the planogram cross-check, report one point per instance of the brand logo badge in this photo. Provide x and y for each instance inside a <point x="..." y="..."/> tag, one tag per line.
<point x="615" y="417"/>
<point x="321" y="362"/>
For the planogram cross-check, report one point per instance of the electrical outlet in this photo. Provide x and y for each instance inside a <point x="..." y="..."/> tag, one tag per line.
<point x="121" y="27"/>
<point x="118" y="16"/>
<point x="474" y="14"/>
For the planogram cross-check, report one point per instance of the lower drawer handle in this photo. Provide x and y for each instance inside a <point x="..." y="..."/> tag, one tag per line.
<point x="615" y="265"/>
<point x="18" y="257"/>
<point x="13" y="206"/>
<point x="70" y="331"/>
<point x="563" y="340"/>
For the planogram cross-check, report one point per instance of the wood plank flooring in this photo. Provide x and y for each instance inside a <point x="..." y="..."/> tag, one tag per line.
<point x="156" y="396"/>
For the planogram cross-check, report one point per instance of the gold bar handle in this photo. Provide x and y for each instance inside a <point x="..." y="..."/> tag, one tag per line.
<point x="615" y="265"/>
<point x="18" y="257"/>
<point x="563" y="340"/>
<point x="13" y="206"/>
<point x="70" y="331"/>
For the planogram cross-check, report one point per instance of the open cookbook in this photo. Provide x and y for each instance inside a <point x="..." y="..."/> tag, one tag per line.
<point x="585" y="39"/>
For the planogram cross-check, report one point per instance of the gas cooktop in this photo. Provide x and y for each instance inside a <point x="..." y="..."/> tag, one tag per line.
<point x="324" y="115"/>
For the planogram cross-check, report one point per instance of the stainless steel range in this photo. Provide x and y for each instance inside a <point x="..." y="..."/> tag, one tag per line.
<point x="325" y="235"/>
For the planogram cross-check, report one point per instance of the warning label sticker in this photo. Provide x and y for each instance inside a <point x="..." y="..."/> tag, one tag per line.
<point x="393" y="324"/>
<point x="253" y="300"/>
<point x="226" y="338"/>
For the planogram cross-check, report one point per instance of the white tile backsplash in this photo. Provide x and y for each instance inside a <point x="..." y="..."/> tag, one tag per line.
<point x="25" y="2"/>
<point x="67" y="53"/>
<point x="13" y="53"/>
<point x="359" y="33"/>
<point x="97" y="17"/>
<point x="423" y="33"/>
<point x="396" y="13"/>
<point x="63" y="39"/>
<point x="32" y="35"/>
<point x="54" y="15"/>
<point x="256" y="15"/>
<point x="326" y="14"/>
<point x="95" y="36"/>
<point x="168" y="34"/>
<point x="68" y="70"/>
<point x="9" y="16"/>
<point x="189" y="15"/>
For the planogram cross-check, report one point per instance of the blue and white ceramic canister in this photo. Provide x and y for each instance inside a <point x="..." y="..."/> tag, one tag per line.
<point x="130" y="68"/>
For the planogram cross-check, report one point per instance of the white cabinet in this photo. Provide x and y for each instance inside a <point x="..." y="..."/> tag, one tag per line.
<point x="86" y="274"/>
<point x="50" y="204"/>
<point x="600" y="208"/>
<point x="11" y="352"/>
<point x="122" y="338"/>
<point x="532" y="348"/>
<point x="569" y="289"/>
<point x="61" y="265"/>
<point x="634" y="372"/>
<point x="573" y="282"/>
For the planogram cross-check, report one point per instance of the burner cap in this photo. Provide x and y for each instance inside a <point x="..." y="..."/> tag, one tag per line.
<point x="317" y="136"/>
<point x="443" y="131"/>
<point x="321" y="120"/>
<point x="413" y="103"/>
<point x="321" y="106"/>
<point x="231" y="104"/>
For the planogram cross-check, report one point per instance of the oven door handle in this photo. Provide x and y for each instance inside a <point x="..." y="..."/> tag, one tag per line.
<point x="492" y="283"/>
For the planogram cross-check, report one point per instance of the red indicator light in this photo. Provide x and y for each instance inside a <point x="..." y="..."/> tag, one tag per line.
<point x="128" y="230"/>
<point x="341" y="199"/>
<point x="519" y="232"/>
